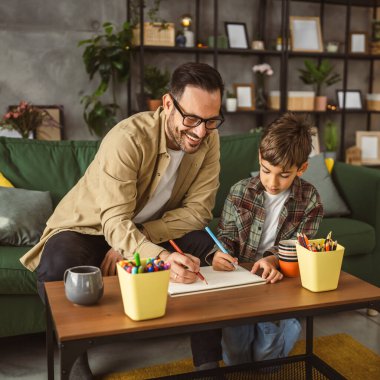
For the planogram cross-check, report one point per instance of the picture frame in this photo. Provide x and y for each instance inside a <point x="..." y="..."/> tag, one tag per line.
<point x="358" y="43"/>
<point x="245" y="96"/>
<point x="305" y="34"/>
<point x="314" y="142"/>
<point x="369" y="144"/>
<point x="237" y="35"/>
<point x="353" y="99"/>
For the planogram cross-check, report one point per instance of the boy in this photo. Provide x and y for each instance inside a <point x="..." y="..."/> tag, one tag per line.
<point x="258" y="213"/>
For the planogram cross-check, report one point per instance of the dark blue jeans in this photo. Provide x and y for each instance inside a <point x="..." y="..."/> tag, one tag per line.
<point x="68" y="249"/>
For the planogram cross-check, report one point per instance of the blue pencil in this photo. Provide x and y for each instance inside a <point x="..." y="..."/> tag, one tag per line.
<point x="217" y="242"/>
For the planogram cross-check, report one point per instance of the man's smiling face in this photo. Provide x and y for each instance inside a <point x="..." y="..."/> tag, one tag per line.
<point x="194" y="101"/>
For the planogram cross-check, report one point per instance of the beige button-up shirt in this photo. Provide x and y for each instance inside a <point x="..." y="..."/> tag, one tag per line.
<point x="125" y="172"/>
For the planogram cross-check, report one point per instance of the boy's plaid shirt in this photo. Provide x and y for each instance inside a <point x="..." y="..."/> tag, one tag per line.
<point x="242" y="220"/>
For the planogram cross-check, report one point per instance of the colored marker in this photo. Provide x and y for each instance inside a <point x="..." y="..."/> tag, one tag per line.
<point x="179" y="250"/>
<point x="217" y="242"/>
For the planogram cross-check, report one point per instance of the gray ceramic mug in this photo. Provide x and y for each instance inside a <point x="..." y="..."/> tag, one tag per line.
<point x="83" y="284"/>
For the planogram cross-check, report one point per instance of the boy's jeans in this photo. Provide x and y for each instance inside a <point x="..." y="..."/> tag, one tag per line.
<point x="260" y="341"/>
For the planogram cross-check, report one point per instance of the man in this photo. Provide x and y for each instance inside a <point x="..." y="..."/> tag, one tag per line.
<point x="154" y="178"/>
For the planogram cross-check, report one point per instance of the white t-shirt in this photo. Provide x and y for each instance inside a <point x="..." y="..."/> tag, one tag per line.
<point x="273" y="205"/>
<point x="163" y="191"/>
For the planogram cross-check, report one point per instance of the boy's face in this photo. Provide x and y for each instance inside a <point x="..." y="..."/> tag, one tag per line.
<point x="275" y="180"/>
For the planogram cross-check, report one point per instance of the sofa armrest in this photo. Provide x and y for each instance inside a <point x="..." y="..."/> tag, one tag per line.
<point x="360" y="188"/>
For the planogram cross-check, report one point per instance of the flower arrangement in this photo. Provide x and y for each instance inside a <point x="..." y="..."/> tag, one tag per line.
<point x="261" y="70"/>
<point x="24" y="119"/>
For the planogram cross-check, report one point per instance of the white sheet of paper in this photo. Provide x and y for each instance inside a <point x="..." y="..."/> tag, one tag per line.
<point x="217" y="280"/>
<point x="369" y="147"/>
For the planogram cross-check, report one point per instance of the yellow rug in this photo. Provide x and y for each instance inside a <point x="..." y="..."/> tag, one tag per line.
<point x="341" y="351"/>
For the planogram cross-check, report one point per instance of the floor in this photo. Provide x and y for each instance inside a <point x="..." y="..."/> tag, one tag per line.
<point x="24" y="357"/>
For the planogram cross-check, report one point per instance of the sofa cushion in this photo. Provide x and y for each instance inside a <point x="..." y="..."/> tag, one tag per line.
<point x="23" y="215"/>
<point x="318" y="175"/>
<point x="54" y="166"/>
<point x="238" y="157"/>
<point x="14" y="277"/>
<point x="357" y="237"/>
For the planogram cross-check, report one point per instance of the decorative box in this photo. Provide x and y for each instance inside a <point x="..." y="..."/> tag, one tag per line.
<point x="155" y="34"/>
<point x="373" y="102"/>
<point x="297" y="100"/>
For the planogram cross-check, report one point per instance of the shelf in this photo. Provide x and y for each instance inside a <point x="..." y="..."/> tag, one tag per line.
<point x="357" y="3"/>
<point x="294" y="54"/>
<point x="206" y="50"/>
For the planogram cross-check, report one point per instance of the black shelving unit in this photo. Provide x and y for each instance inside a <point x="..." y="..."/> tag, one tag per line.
<point x="285" y="56"/>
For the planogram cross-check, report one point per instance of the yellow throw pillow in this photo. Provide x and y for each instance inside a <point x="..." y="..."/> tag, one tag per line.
<point x="330" y="164"/>
<point x="4" y="182"/>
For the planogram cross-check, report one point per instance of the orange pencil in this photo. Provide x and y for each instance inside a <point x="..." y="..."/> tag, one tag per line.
<point x="179" y="250"/>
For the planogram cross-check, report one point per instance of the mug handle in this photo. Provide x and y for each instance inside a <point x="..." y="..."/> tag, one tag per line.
<point x="65" y="275"/>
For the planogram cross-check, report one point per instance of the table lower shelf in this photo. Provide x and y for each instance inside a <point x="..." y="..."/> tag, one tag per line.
<point x="298" y="367"/>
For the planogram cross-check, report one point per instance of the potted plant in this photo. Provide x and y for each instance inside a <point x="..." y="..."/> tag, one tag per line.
<point x="108" y="56"/>
<point x="331" y="137"/>
<point x="231" y="102"/>
<point x="155" y="85"/>
<point x="24" y="119"/>
<point x="318" y="75"/>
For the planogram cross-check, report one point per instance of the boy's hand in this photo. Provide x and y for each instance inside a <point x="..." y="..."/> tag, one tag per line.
<point x="183" y="267"/>
<point x="223" y="261"/>
<point x="270" y="272"/>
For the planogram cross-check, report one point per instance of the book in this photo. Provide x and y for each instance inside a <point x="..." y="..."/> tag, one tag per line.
<point x="217" y="280"/>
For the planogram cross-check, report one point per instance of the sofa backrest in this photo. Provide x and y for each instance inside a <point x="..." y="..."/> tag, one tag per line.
<point x="56" y="166"/>
<point x="238" y="158"/>
<point x="53" y="166"/>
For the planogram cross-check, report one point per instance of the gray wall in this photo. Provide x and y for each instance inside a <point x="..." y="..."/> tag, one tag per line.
<point x="41" y="63"/>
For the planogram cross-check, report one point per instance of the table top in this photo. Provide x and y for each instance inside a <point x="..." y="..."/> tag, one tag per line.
<point x="195" y="312"/>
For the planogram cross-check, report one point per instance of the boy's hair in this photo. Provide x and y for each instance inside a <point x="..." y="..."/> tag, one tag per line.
<point x="287" y="141"/>
<point x="195" y="74"/>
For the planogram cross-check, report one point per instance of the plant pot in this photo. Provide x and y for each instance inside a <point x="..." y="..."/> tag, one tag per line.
<point x="330" y="155"/>
<point x="231" y="104"/>
<point x="153" y="104"/>
<point x="320" y="103"/>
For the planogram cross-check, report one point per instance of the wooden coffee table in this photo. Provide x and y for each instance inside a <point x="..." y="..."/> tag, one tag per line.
<point x="79" y="328"/>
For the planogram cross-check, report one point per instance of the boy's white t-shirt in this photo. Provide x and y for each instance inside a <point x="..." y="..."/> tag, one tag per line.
<point x="163" y="191"/>
<point x="273" y="205"/>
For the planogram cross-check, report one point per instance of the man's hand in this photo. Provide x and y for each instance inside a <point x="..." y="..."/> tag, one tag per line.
<point x="223" y="261"/>
<point x="183" y="267"/>
<point x="108" y="265"/>
<point x="270" y="271"/>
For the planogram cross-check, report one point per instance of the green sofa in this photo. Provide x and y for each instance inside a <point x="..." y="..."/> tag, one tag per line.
<point x="57" y="165"/>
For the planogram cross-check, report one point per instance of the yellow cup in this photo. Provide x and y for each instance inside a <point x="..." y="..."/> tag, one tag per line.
<point x="320" y="270"/>
<point x="144" y="294"/>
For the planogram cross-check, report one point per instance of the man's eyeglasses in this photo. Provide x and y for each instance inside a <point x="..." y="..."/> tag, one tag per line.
<point x="192" y="121"/>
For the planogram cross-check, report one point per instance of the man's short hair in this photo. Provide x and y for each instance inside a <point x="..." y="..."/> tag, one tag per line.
<point x="287" y="141"/>
<point x="199" y="75"/>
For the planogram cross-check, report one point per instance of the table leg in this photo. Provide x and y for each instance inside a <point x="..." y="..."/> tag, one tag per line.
<point x="49" y="342"/>
<point x="309" y="347"/>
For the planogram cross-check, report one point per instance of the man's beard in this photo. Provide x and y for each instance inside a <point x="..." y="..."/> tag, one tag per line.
<point x="177" y="137"/>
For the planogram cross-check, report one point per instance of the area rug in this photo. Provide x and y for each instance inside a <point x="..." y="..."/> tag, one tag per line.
<point x="341" y="351"/>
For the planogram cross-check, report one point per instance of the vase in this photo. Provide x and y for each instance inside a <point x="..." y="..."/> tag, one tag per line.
<point x="260" y="96"/>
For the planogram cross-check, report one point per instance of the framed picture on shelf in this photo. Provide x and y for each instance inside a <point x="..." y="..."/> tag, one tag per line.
<point x="358" y="42"/>
<point x="306" y="34"/>
<point x="237" y="35"/>
<point x="350" y="99"/>
<point x="369" y="143"/>
<point x="245" y="96"/>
